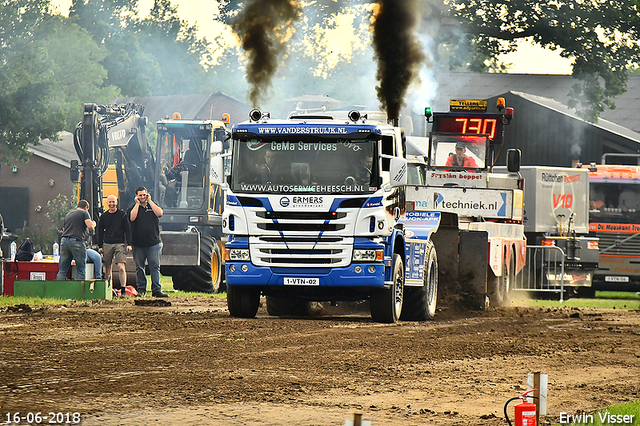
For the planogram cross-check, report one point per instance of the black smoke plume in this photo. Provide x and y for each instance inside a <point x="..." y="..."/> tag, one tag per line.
<point x="261" y="26"/>
<point x="397" y="50"/>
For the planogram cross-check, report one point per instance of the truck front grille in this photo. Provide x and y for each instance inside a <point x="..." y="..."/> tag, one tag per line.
<point x="613" y="243"/>
<point x="301" y="227"/>
<point x="294" y="252"/>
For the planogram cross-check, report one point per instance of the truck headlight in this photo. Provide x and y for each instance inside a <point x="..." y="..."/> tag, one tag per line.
<point x="367" y="255"/>
<point x="238" y="255"/>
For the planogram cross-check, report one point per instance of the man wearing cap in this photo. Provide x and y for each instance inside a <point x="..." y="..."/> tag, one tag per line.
<point x="460" y="159"/>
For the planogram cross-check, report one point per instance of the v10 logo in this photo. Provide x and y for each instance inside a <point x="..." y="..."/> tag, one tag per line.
<point x="562" y="200"/>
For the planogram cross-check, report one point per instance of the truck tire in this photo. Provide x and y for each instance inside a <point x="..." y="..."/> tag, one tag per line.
<point x="115" y="277"/>
<point x="386" y="304"/>
<point x="420" y="302"/>
<point x="179" y="278"/>
<point x="586" y="292"/>
<point x="206" y="277"/>
<point x="280" y="306"/>
<point x="243" y="301"/>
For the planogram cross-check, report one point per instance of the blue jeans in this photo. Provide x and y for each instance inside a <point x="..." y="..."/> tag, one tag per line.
<point x="71" y="249"/>
<point x="152" y="256"/>
<point x="95" y="258"/>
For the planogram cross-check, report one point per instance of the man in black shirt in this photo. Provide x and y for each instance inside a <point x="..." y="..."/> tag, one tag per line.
<point x="114" y="239"/>
<point x="72" y="241"/>
<point x="147" y="246"/>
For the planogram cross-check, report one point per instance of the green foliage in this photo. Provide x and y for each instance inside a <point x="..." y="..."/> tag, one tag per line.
<point x="27" y="84"/>
<point x="58" y="208"/>
<point x="50" y="65"/>
<point x="23" y="302"/>
<point x="109" y="24"/>
<point x="629" y="409"/>
<point x="158" y="55"/>
<point x="603" y="300"/>
<point x="601" y="37"/>
<point x="75" y="64"/>
<point x="44" y="236"/>
<point x="176" y="50"/>
<point x="41" y="237"/>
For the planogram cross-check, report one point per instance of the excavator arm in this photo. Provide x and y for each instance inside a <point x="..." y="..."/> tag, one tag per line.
<point x="118" y="130"/>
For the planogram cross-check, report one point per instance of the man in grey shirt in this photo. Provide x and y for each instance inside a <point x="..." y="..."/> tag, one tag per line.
<point x="72" y="242"/>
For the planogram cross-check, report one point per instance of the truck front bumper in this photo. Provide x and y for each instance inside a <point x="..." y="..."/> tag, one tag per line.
<point x="370" y="275"/>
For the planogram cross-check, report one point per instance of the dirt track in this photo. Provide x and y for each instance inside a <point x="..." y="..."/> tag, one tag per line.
<point x="191" y="364"/>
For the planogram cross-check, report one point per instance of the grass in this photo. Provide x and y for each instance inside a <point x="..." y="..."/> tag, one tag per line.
<point x="603" y="300"/>
<point x="627" y="409"/>
<point x="165" y="282"/>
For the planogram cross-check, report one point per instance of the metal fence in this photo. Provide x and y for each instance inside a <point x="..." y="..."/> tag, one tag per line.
<point x="543" y="272"/>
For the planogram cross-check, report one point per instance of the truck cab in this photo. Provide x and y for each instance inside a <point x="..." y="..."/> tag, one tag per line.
<point x="312" y="209"/>
<point x="483" y="207"/>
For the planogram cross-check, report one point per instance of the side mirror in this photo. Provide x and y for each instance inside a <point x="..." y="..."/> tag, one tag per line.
<point x="216" y="147"/>
<point x="387" y="150"/>
<point x="513" y="160"/>
<point x="398" y="171"/>
<point x="216" y="172"/>
<point x="74" y="172"/>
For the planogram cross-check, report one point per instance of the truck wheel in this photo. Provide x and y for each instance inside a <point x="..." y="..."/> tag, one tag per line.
<point x="279" y="306"/>
<point x="180" y="281"/>
<point x="115" y="277"/>
<point x="586" y="292"/>
<point x="204" y="278"/>
<point x="386" y="304"/>
<point x="420" y="302"/>
<point x="243" y="301"/>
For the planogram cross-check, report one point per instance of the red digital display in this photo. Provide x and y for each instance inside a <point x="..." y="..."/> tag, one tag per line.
<point x="469" y="124"/>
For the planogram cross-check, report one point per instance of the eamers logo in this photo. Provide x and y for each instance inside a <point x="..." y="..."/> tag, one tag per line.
<point x="301" y="201"/>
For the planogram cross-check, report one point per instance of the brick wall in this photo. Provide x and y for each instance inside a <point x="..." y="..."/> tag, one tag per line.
<point x="35" y="175"/>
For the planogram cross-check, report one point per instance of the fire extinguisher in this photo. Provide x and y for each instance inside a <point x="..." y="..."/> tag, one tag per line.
<point x="525" y="412"/>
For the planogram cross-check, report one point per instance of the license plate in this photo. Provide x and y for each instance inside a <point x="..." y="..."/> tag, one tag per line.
<point x="611" y="279"/>
<point x="301" y="281"/>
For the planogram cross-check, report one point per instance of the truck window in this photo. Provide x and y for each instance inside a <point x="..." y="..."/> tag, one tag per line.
<point x="300" y="166"/>
<point x="458" y="151"/>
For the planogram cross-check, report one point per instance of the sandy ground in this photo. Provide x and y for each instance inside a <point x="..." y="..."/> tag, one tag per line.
<point x="116" y="363"/>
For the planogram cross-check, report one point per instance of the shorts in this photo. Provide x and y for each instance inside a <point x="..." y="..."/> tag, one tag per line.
<point x="114" y="253"/>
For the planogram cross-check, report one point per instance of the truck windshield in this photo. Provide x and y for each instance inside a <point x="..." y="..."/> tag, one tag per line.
<point x="181" y="167"/>
<point x="614" y="202"/>
<point x="458" y="151"/>
<point x="339" y="166"/>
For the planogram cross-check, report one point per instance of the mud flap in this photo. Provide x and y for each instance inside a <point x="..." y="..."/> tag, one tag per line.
<point x="473" y="261"/>
<point x="446" y="243"/>
<point x="180" y="248"/>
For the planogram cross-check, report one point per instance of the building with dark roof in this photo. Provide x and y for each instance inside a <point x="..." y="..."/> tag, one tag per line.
<point x="200" y="107"/>
<point x="544" y="128"/>
<point x="25" y="188"/>
<point x="549" y="133"/>
<point x="555" y="87"/>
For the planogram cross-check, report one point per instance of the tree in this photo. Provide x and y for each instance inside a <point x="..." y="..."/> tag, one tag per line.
<point x="75" y="63"/>
<point x="158" y="55"/>
<point x="109" y="23"/>
<point x="176" y="50"/>
<point x="600" y="36"/>
<point x="27" y="84"/>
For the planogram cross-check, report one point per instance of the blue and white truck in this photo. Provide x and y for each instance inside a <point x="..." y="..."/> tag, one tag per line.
<point x="316" y="210"/>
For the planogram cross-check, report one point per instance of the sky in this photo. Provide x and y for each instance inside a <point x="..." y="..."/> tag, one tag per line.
<point x="529" y="59"/>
